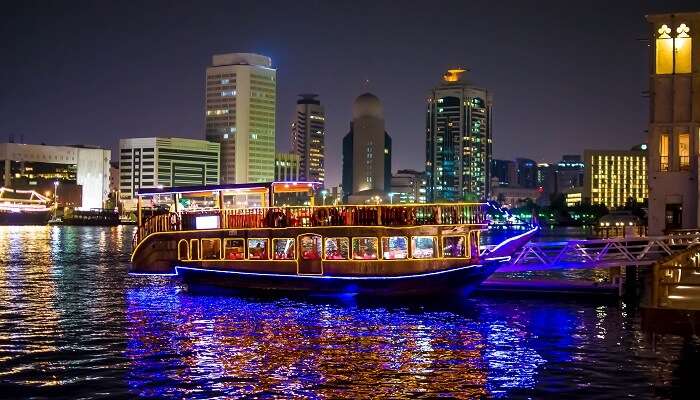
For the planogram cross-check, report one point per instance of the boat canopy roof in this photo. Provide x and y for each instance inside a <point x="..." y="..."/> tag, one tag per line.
<point x="275" y="187"/>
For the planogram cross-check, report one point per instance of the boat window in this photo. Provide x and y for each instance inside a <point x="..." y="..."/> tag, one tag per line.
<point x="194" y="249"/>
<point x="310" y="247"/>
<point x="211" y="249"/>
<point x="257" y="249"/>
<point x="337" y="248"/>
<point x="394" y="247"/>
<point x="234" y="249"/>
<point x="365" y="248"/>
<point x="423" y="246"/>
<point x="453" y="246"/>
<point x="283" y="249"/>
<point x="183" y="250"/>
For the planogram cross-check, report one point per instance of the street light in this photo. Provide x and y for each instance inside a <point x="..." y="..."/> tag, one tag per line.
<point x="55" y="199"/>
<point x="391" y="197"/>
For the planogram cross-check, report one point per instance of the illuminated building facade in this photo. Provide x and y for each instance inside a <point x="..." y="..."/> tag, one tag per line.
<point x="366" y="152"/>
<point x="458" y="140"/>
<point x="240" y="115"/>
<point x="613" y="177"/>
<point x="287" y="167"/>
<point x="674" y="121"/>
<point x="165" y="162"/>
<point x="39" y="167"/>
<point x="408" y="186"/>
<point x="308" y="138"/>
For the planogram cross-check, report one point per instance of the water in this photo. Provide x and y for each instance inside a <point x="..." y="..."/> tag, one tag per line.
<point x="73" y="324"/>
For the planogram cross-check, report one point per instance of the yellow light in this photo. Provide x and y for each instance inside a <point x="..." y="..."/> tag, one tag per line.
<point x="453" y="75"/>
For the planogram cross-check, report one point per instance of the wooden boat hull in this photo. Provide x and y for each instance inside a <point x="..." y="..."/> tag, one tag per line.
<point x="458" y="280"/>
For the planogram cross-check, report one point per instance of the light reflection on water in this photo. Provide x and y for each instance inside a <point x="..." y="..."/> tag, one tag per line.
<point x="72" y="323"/>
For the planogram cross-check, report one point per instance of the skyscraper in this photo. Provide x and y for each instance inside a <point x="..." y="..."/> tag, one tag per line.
<point x="366" y="152"/>
<point x="674" y="121"/>
<point x="458" y="140"/>
<point x="240" y="114"/>
<point x="308" y="138"/>
<point x="527" y="173"/>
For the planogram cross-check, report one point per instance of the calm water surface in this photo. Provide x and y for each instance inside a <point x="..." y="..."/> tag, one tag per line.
<point x="73" y="324"/>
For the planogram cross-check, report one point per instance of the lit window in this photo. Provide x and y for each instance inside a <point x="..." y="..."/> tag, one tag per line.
<point x="664" y="51"/>
<point x="453" y="246"/>
<point x="211" y="249"/>
<point x="257" y="249"/>
<point x="364" y="248"/>
<point x="663" y="151"/>
<point x="310" y="247"/>
<point x="394" y="247"/>
<point x="283" y="249"/>
<point x="682" y="48"/>
<point x="684" y="151"/>
<point x="234" y="249"/>
<point x="337" y="249"/>
<point x="423" y="246"/>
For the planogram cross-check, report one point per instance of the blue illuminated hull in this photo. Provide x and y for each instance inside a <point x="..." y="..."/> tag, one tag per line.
<point x="459" y="280"/>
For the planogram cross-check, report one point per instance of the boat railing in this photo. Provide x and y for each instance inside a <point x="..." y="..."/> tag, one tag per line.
<point x="384" y="215"/>
<point x="307" y="216"/>
<point x="157" y="223"/>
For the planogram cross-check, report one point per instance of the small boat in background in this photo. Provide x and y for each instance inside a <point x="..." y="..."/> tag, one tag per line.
<point x="416" y="249"/>
<point x="92" y="217"/>
<point x="23" y="207"/>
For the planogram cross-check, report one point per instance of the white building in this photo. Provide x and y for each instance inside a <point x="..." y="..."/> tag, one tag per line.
<point x="162" y="161"/>
<point x="38" y="167"/>
<point x="240" y="114"/>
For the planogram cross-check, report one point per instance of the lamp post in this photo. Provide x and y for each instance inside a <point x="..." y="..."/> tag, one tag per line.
<point x="391" y="197"/>
<point x="55" y="199"/>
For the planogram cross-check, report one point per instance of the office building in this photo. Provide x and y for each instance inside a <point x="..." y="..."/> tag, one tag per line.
<point x="613" y="177"/>
<point x="674" y="121"/>
<point x="570" y="173"/>
<point x="79" y="174"/>
<point x="308" y="138"/>
<point x="527" y="173"/>
<point x="366" y="153"/>
<point x="240" y="115"/>
<point x="408" y="186"/>
<point x="458" y="140"/>
<point x="164" y="162"/>
<point x="505" y="172"/>
<point x="287" y="167"/>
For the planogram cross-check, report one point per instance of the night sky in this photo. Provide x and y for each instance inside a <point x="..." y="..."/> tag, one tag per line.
<point x="564" y="76"/>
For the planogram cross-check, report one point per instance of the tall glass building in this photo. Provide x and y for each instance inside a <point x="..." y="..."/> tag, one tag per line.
<point x="458" y="140"/>
<point x="308" y="138"/>
<point x="240" y="114"/>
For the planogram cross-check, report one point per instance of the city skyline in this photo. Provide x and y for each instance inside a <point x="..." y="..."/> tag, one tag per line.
<point x="101" y="87"/>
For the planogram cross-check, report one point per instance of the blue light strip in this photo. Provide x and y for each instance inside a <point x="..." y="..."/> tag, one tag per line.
<point x="510" y="239"/>
<point x="177" y="268"/>
<point x="153" y="274"/>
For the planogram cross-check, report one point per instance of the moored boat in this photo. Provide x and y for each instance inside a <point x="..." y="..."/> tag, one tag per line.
<point x="209" y="240"/>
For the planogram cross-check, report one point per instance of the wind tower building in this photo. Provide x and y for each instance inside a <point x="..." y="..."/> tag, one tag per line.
<point x="458" y="140"/>
<point x="674" y="121"/>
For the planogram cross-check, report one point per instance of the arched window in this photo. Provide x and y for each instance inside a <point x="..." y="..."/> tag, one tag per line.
<point x="664" y="51"/>
<point x="683" y="45"/>
<point x="183" y="250"/>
